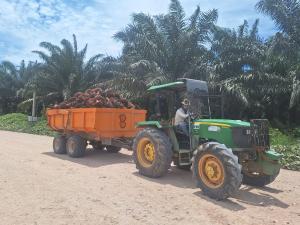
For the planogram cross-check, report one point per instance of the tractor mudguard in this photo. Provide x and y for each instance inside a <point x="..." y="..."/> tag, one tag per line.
<point x="149" y="124"/>
<point x="271" y="154"/>
<point x="168" y="129"/>
<point x="267" y="162"/>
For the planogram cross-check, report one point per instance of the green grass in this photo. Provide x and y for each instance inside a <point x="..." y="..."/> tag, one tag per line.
<point x="18" y="122"/>
<point x="287" y="143"/>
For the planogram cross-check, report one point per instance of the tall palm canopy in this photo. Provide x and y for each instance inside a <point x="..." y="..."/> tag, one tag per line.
<point x="285" y="46"/>
<point x="173" y="43"/>
<point x="64" y="68"/>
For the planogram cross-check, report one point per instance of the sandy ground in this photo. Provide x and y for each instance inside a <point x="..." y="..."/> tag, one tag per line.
<point x="39" y="187"/>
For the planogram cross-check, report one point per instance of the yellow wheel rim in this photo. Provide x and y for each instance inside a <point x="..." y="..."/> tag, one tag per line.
<point x="145" y="152"/>
<point x="211" y="171"/>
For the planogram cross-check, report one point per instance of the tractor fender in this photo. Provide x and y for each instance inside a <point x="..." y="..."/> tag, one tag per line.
<point x="155" y="124"/>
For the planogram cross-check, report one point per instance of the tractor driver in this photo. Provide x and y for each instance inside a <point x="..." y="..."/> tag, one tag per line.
<point x="181" y="116"/>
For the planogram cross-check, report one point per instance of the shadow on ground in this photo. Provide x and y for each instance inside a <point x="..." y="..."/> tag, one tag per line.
<point x="260" y="197"/>
<point x="175" y="177"/>
<point x="95" y="158"/>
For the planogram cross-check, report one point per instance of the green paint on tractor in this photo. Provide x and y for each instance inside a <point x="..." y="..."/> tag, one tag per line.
<point x="219" y="130"/>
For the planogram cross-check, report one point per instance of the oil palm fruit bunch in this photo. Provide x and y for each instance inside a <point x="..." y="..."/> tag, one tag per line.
<point x="95" y="98"/>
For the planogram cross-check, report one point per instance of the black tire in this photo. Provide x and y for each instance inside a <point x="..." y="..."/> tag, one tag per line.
<point x="230" y="170"/>
<point x="162" y="152"/>
<point x="59" y="144"/>
<point x="98" y="146"/>
<point x="258" y="180"/>
<point x="112" y="149"/>
<point x="76" y="146"/>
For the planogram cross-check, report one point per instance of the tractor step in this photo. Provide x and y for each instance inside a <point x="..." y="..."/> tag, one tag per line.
<point x="184" y="157"/>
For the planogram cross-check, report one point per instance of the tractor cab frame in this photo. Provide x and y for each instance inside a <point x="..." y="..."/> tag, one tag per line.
<point x="163" y="102"/>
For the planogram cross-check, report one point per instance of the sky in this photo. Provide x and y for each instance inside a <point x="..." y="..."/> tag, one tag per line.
<point x="26" y="23"/>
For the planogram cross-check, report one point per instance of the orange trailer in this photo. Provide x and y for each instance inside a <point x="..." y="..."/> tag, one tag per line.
<point x="104" y="128"/>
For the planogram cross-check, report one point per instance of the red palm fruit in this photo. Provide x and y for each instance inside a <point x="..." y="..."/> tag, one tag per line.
<point x="130" y="105"/>
<point x="78" y="94"/>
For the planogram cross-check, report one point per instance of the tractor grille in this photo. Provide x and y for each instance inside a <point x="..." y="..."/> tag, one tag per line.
<point x="241" y="137"/>
<point x="260" y="133"/>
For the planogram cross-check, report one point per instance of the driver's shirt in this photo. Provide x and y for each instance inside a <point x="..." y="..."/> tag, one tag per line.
<point x="180" y="116"/>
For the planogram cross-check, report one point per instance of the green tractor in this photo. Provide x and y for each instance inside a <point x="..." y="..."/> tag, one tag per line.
<point x="221" y="153"/>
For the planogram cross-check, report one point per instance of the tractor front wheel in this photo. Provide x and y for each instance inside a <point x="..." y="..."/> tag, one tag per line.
<point x="152" y="151"/>
<point x="216" y="170"/>
<point x="76" y="146"/>
<point x="258" y="180"/>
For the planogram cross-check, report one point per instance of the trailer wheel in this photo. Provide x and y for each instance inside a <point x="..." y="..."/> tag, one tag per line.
<point x="59" y="144"/>
<point x="97" y="146"/>
<point x="152" y="151"/>
<point x="216" y="170"/>
<point x="76" y="146"/>
<point x="112" y="149"/>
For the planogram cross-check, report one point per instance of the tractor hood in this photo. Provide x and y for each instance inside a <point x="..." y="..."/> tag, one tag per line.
<point x="222" y="122"/>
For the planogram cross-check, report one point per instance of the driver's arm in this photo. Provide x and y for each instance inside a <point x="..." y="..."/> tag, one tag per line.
<point x="182" y="114"/>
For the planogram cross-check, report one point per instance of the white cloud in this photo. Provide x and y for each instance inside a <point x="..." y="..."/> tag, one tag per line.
<point x="25" y="23"/>
<point x="29" y="23"/>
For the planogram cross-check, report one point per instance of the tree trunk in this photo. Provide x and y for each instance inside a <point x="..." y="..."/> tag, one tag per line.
<point x="33" y="113"/>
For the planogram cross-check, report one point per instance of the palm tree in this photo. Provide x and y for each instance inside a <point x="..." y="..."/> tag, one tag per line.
<point x="285" y="45"/>
<point x="65" y="70"/>
<point x="240" y="72"/>
<point x="286" y="15"/>
<point x="9" y="84"/>
<point x="165" y="47"/>
<point x="32" y="80"/>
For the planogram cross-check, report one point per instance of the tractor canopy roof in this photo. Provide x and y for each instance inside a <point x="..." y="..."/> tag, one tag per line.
<point x="222" y="122"/>
<point x="169" y="86"/>
<point x="182" y="84"/>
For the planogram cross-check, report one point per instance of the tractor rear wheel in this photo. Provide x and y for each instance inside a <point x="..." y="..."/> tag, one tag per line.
<point x="152" y="152"/>
<point x="59" y="144"/>
<point x="76" y="146"/>
<point x="216" y="170"/>
<point x="258" y="180"/>
<point x="112" y="149"/>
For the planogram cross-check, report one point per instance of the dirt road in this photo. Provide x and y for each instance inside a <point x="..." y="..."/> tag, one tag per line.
<point x="39" y="187"/>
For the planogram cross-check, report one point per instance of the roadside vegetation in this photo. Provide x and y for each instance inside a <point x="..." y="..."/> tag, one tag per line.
<point x="287" y="143"/>
<point x="258" y="78"/>
<point x="18" y="122"/>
